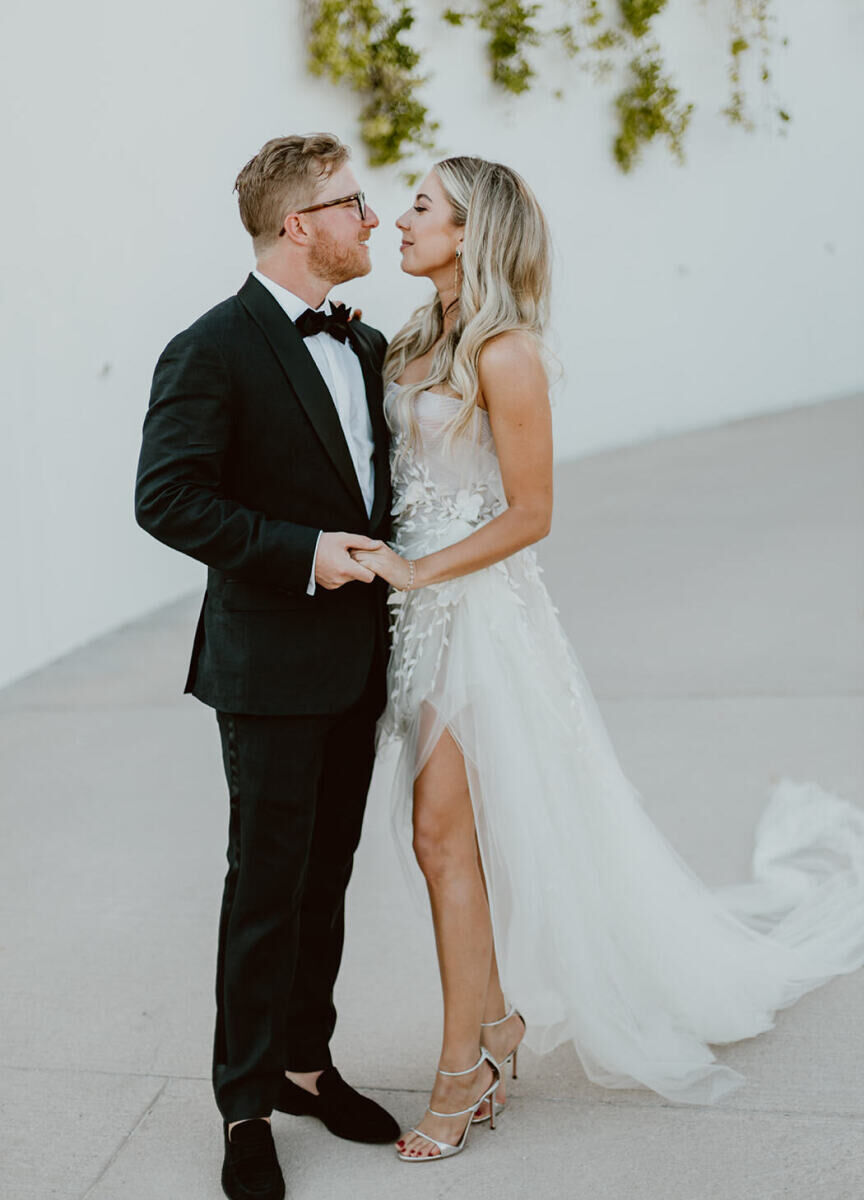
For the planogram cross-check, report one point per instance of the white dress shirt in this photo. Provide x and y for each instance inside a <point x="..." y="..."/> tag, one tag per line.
<point x="340" y="369"/>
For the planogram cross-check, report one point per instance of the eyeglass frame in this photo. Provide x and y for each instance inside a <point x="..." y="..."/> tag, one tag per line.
<point x="360" y="198"/>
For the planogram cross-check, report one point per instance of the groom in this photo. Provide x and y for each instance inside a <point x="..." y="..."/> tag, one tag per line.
<point x="265" y="456"/>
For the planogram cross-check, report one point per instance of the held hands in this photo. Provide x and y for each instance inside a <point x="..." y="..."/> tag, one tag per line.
<point x="386" y="563"/>
<point x="335" y="564"/>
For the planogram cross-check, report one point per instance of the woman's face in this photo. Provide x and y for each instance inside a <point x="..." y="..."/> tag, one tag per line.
<point x="429" y="236"/>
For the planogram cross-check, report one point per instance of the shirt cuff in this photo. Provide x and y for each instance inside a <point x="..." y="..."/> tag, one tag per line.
<point x="310" y="587"/>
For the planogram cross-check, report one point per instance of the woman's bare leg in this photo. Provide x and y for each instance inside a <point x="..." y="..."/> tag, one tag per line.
<point x="446" y="848"/>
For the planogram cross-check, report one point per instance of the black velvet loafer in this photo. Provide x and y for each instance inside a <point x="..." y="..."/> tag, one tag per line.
<point x="251" y="1169"/>
<point x="344" y="1111"/>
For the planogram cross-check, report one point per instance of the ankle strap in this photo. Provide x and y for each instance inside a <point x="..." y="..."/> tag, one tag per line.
<point x="460" y="1113"/>
<point x="483" y="1056"/>
<point x="501" y="1020"/>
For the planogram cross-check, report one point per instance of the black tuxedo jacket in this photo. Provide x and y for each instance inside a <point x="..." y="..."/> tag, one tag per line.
<point x="243" y="461"/>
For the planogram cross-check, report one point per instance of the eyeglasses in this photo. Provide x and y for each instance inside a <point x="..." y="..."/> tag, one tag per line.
<point x="356" y="197"/>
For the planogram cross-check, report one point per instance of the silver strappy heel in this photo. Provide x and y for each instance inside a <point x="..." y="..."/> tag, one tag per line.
<point x="447" y="1149"/>
<point x="511" y="1059"/>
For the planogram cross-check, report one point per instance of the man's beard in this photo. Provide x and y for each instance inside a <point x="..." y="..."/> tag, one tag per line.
<point x="336" y="263"/>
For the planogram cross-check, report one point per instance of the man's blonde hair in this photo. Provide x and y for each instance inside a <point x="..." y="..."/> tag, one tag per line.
<point x="287" y="173"/>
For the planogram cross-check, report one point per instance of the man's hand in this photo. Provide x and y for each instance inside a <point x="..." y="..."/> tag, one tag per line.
<point x="334" y="564"/>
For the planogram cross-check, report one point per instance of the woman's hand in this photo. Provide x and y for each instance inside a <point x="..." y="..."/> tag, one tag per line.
<point x="386" y="563"/>
<point x="354" y="314"/>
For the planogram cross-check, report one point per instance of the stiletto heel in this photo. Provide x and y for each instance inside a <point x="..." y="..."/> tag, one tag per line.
<point x="511" y="1059"/>
<point x="447" y="1149"/>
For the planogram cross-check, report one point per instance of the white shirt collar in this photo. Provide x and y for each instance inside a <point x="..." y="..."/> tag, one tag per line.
<point x="292" y="305"/>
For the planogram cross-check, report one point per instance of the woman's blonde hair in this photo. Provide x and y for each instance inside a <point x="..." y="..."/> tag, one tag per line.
<point x="505" y="285"/>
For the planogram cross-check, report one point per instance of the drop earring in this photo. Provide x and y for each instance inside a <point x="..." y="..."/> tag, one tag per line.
<point x="456" y="273"/>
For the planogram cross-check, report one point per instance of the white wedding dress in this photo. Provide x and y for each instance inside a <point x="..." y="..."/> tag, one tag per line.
<point x="604" y="936"/>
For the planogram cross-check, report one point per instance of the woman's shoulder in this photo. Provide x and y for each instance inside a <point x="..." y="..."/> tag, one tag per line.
<point x="509" y="346"/>
<point x="513" y="356"/>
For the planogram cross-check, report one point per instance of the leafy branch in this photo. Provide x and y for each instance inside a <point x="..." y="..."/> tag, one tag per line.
<point x="648" y="108"/>
<point x="361" y="42"/>
<point x="511" y="27"/>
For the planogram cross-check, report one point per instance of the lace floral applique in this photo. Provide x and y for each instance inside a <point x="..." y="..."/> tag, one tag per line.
<point x="420" y="630"/>
<point x="415" y="493"/>
<point x="425" y="510"/>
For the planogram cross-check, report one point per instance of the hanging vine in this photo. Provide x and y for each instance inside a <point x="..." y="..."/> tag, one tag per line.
<point x="637" y="15"/>
<point x="648" y="108"/>
<point x="750" y="34"/>
<point x="362" y="42"/>
<point x="512" y="29"/>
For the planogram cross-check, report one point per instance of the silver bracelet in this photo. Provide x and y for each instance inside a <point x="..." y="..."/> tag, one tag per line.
<point x="410" y="584"/>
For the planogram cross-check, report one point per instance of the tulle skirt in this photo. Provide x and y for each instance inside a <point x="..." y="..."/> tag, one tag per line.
<point x="604" y="936"/>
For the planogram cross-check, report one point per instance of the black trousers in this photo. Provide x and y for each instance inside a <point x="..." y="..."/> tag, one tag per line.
<point x="297" y="789"/>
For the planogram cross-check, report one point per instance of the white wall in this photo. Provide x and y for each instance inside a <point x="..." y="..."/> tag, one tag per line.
<point x="684" y="297"/>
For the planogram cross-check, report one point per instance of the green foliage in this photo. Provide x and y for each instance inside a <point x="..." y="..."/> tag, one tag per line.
<point x="362" y="43"/>
<point x="637" y="15"/>
<point x="589" y="37"/>
<point x="750" y="27"/>
<point x="649" y="107"/>
<point x="511" y="28"/>
<point x="592" y="12"/>
<point x="567" y="35"/>
<point x="607" y="39"/>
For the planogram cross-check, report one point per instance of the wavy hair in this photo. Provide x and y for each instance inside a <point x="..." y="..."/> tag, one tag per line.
<point x="505" y="285"/>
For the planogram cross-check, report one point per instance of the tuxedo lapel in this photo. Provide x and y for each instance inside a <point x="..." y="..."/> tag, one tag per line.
<point x="305" y="379"/>
<point x="375" y="403"/>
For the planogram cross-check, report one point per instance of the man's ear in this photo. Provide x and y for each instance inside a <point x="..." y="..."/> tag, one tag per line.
<point x="294" y="229"/>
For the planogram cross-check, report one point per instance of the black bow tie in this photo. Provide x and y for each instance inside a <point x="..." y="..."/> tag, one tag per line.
<point x="314" y="321"/>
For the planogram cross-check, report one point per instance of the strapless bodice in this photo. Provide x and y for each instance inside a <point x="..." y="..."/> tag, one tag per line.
<point x="444" y="484"/>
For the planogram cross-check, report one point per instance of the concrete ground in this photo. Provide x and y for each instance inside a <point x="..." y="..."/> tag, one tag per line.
<point x="712" y="585"/>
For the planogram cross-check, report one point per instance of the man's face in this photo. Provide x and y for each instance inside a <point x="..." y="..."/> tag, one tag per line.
<point x="338" y="237"/>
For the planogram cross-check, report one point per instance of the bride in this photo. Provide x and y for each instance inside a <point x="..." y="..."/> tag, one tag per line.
<point x="547" y="880"/>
